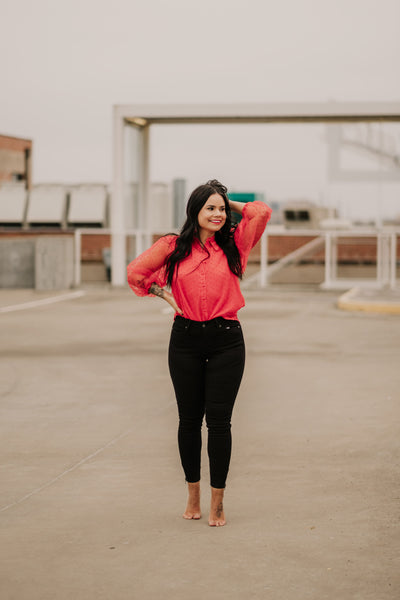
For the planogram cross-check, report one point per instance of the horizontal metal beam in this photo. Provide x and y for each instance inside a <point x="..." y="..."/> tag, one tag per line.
<point x="277" y="119"/>
<point x="140" y="115"/>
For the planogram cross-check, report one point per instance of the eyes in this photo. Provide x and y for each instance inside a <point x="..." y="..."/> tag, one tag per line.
<point x="211" y="208"/>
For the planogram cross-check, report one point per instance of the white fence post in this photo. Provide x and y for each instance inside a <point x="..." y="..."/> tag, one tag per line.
<point x="77" y="258"/>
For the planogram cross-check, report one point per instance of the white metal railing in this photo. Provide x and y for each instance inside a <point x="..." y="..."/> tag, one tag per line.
<point x="386" y="256"/>
<point x="386" y="259"/>
<point x="143" y="240"/>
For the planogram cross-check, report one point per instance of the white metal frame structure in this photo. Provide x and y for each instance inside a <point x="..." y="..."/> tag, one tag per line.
<point x="337" y="140"/>
<point x="142" y="116"/>
<point x="386" y="259"/>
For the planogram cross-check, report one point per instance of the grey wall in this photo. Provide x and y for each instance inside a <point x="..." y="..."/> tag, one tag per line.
<point x="43" y="263"/>
<point x="17" y="263"/>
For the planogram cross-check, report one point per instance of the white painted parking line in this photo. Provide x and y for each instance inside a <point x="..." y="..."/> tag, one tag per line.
<point x="42" y="302"/>
<point x="61" y="475"/>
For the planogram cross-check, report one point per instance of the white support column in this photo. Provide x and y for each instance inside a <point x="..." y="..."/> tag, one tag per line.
<point x="145" y="208"/>
<point x="118" y="242"/>
<point x="334" y="255"/>
<point x="77" y="258"/>
<point x="264" y="260"/>
<point x="379" y="259"/>
<point x="385" y="259"/>
<point x="393" y="260"/>
<point x="328" y="259"/>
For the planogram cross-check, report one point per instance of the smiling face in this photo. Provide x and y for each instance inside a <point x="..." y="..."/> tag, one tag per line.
<point x="211" y="217"/>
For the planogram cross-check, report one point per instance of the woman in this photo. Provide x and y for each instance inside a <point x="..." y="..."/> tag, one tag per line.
<point x="202" y="267"/>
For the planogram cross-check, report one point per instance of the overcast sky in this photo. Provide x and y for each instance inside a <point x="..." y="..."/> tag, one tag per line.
<point x="66" y="62"/>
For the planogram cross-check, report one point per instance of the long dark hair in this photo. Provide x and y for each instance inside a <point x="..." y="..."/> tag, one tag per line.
<point x="190" y="230"/>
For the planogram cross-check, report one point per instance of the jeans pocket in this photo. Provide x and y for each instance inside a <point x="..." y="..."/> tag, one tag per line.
<point x="180" y="325"/>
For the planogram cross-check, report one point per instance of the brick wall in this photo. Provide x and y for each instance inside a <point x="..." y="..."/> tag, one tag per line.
<point x="15" y="159"/>
<point x="350" y="250"/>
<point x="92" y="247"/>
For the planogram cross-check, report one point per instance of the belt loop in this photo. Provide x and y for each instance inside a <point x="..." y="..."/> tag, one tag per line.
<point x="218" y="323"/>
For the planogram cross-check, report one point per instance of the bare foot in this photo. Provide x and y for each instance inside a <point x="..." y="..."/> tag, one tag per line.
<point x="193" y="506"/>
<point x="217" y="515"/>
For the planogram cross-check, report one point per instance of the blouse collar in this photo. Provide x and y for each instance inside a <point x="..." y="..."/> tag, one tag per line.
<point x="209" y="242"/>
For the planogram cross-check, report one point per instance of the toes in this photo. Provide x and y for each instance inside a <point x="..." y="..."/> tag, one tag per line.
<point x="189" y="516"/>
<point x="214" y="523"/>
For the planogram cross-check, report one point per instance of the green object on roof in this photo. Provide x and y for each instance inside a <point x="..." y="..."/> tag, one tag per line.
<point x="243" y="197"/>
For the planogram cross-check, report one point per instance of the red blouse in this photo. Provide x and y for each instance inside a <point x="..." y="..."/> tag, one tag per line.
<point x="203" y="285"/>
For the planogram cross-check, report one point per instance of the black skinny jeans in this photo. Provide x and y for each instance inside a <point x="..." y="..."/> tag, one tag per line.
<point x="206" y="362"/>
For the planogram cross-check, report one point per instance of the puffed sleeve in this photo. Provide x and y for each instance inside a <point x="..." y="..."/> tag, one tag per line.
<point x="148" y="268"/>
<point x="255" y="217"/>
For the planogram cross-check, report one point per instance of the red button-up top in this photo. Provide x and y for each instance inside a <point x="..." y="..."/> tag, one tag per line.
<point x="203" y="286"/>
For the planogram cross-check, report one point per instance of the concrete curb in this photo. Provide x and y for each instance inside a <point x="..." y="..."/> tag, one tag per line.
<point x="350" y="301"/>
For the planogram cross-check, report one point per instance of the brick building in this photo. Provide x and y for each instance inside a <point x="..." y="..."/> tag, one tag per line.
<point x="16" y="160"/>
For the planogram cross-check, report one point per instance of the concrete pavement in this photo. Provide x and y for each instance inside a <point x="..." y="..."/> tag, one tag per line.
<point x="91" y="487"/>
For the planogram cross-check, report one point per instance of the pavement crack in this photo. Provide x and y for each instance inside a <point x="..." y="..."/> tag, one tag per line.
<point x="66" y="472"/>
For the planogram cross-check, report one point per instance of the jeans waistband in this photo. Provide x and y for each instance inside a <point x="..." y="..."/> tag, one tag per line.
<point x="217" y="322"/>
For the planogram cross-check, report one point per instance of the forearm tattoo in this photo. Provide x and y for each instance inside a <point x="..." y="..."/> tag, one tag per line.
<point x="156" y="290"/>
